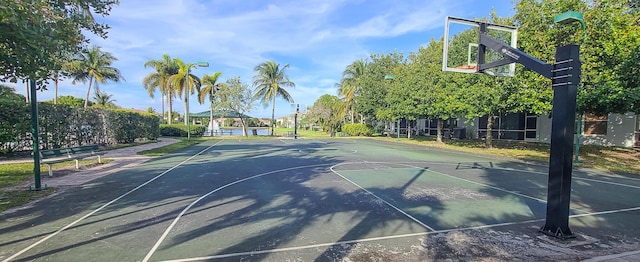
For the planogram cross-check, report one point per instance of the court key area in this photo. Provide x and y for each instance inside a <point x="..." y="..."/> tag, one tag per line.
<point x="322" y="200"/>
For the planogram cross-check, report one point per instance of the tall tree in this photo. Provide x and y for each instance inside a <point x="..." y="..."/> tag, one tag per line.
<point x="236" y="97"/>
<point x="269" y="81"/>
<point x="185" y="83"/>
<point x="607" y="55"/>
<point x="209" y="89"/>
<point x="160" y="79"/>
<point x="350" y="85"/>
<point x="93" y="65"/>
<point x="324" y="112"/>
<point x="370" y="100"/>
<point x="33" y="34"/>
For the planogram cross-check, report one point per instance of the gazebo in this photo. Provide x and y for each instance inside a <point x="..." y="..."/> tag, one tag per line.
<point x="219" y="115"/>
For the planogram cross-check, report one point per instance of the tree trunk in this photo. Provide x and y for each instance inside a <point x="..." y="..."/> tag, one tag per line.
<point x="86" y="102"/>
<point x="162" y="104"/>
<point x="170" y="105"/>
<point x="244" y="127"/>
<point x="273" y="114"/>
<point x="55" y="84"/>
<point x="211" y="117"/>
<point x="186" y="105"/>
<point x="489" y="138"/>
<point x="439" y="131"/>
<point x="186" y="100"/>
<point x="352" y="114"/>
<point x="26" y="98"/>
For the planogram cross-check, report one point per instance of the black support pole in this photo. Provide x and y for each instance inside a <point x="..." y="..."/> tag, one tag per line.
<point x="565" y="79"/>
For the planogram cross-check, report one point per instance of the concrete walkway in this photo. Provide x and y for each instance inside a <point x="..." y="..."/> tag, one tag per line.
<point x="123" y="158"/>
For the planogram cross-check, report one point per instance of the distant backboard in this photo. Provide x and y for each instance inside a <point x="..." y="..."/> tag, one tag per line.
<point x="460" y="53"/>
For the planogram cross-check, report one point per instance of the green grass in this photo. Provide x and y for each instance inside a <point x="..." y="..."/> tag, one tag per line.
<point x="614" y="159"/>
<point x="302" y="132"/>
<point x="14" y="175"/>
<point x="161" y="151"/>
<point x="16" y="198"/>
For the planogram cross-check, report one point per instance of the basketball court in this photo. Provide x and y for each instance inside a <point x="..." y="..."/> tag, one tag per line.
<point x="306" y="200"/>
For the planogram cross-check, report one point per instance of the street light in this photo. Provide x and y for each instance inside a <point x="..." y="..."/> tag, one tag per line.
<point x="392" y="77"/>
<point x="186" y="97"/>
<point x="295" y="122"/>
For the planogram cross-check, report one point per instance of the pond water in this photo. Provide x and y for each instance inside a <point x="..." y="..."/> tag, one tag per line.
<point x="236" y="132"/>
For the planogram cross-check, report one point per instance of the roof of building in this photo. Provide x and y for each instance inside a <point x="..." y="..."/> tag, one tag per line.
<point x="219" y="114"/>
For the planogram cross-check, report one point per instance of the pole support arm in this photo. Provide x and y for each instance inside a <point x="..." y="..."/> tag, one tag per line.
<point x="514" y="56"/>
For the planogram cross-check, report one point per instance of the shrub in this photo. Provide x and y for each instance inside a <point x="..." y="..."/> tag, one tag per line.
<point x="357" y="129"/>
<point x="180" y="130"/>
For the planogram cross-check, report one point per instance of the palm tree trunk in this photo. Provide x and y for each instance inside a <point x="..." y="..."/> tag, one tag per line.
<point x="211" y="117"/>
<point x="170" y="105"/>
<point x="162" y="105"/>
<point x="186" y="100"/>
<point x="186" y="109"/>
<point x="273" y="114"/>
<point x="353" y="114"/>
<point x="86" y="102"/>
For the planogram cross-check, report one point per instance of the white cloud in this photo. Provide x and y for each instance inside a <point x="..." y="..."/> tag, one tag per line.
<point x="318" y="38"/>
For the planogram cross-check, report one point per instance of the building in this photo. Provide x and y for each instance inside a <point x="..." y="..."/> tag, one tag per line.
<point x="622" y="130"/>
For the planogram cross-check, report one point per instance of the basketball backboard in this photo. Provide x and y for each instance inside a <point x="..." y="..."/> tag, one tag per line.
<point x="461" y="46"/>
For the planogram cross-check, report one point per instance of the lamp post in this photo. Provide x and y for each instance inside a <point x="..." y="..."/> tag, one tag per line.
<point x="567" y="18"/>
<point x="188" y="93"/>
<point x="392" y="77"/>
<point x="295" y="122"/>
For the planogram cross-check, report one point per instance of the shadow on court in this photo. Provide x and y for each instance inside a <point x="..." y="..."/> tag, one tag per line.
<point x="315" y="200"/>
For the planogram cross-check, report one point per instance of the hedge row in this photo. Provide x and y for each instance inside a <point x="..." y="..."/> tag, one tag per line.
<point x="180" y="130"/>
<point x="65" y="126"/>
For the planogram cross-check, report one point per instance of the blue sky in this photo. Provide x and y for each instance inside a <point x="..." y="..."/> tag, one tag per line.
<point x="318" y="38"/>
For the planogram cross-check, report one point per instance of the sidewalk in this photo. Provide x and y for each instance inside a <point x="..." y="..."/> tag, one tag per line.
<point x="123" y="158"/>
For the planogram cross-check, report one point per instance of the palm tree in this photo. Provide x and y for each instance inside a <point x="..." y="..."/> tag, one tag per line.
<point x="209" y="88"/>
<point x="185" y="83"/>
<point x="269" y="80"/>
<point x="349" y="85"/>
<point x="165" y="68"/>
<point x="104" y="100"/>
<point x="95" y="66"/>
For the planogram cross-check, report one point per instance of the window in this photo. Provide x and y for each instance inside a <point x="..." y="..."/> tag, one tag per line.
<point x="513" y="126"/>
<point x="595" y="125"/>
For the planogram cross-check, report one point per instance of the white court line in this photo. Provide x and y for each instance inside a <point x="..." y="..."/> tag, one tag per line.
<point x="184" y="211"/>
<point x="527" y="171"/>
<point x="362" y="240"/>
<point x="282" y="140"/>
<point x="477" y="183"/>
<point x="104" y="206"/>
<point x="379" y="198"/>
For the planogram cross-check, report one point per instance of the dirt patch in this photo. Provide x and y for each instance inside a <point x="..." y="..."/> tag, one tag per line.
<point x="483" y="245"/>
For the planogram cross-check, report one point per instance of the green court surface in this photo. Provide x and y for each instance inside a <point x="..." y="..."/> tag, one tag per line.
<point x="321" y="200"/>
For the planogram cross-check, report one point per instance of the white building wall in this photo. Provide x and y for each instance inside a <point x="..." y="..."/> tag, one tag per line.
<point x="543" y="133"/>
<point x="620" y="130"/>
